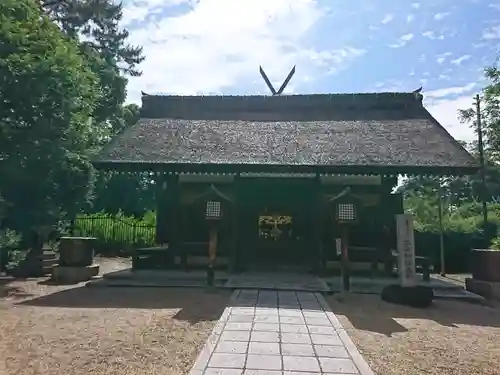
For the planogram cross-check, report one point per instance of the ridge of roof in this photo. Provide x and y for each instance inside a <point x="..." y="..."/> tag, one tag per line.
<point x="178" y="106"/>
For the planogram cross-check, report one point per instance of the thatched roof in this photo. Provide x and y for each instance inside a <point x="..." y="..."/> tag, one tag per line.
<point x="345" y="132"/>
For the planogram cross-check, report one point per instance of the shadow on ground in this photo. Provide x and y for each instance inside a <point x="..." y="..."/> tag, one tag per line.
<point x="194" y="305"/>
<point x="370" y="313"/>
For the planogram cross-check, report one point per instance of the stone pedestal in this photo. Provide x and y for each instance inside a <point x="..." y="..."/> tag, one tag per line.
<point x="487" y="289"/>
<point x="73" y="275"/>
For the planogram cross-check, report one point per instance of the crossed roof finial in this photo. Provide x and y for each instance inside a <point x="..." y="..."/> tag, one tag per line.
<point x="270" y="85"/>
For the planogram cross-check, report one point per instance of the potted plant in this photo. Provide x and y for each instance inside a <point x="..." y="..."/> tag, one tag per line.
<point x="486" y="262"/>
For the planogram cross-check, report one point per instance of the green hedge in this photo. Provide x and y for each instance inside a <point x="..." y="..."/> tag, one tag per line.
<point x="117" y="233"/>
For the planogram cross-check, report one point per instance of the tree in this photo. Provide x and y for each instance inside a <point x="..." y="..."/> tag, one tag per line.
<point x="490" y="116"/>
<point x="47" y="95"/>
<point x="95" y="24"/>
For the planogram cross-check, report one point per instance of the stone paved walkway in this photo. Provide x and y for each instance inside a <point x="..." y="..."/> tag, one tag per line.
<point x="279" y="333"/>
<point x="277" y="281"/>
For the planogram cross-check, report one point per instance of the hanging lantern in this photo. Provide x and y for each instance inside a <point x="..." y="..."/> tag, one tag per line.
<point x="213" y="210"/>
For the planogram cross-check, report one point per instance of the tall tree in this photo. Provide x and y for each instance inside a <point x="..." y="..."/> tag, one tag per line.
<point x="47" y="95"/>
<point x="490" y="115"/>
<point x="95" y="24"/>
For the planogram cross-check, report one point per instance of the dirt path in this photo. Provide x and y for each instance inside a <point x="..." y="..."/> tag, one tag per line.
<point x="449" y="338"/>
<point x="46" y="329"/>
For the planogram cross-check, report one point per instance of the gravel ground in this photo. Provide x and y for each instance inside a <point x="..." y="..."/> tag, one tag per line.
<point x="449" y="338"/>
<point x="73" y="330"/>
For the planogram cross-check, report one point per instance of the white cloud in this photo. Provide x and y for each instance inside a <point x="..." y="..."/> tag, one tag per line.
<point x="387" y="18"/>
<point x="492" y="33"/>
<point x="461" y="59"/>
<point x="410" y="18"/>
<point x="442" y="57"/>
<point x="431" y="35"/>
<point x="403" y="40"/>
<point x="444" y="104"/>
<point x="449" y="91"/>
<point x="440" y="16"/>
<point x="415" y="5"/>
<point x="219" y="44"/>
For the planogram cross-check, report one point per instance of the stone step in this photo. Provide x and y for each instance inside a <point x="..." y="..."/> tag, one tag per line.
<point x="50" y="262"/>
<point x="48" y="254"/>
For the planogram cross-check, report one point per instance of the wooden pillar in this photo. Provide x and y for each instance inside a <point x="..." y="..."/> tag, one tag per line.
<point x="235" y="225"/>
<point x="212" y="252"/>
<point x="161" y="194"/>
<point x="390" y="205"/>
<point x="317" y="225"/>
<point x="346" y="269"/>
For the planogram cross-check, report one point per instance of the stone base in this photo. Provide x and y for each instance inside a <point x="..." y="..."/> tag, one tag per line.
<point x="73" y="275"/>
<point x="487" y="289"/>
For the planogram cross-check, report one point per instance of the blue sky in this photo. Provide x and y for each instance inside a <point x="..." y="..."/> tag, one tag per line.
<point x="216" y="47"/>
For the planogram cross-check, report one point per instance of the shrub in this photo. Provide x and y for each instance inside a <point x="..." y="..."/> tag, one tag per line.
<point x="495" y="243"/>
<point x="117" y="232"/>
<point x="10" y="255"/>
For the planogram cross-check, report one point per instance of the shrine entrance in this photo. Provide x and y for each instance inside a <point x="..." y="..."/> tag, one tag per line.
<point x="276" y="224"/>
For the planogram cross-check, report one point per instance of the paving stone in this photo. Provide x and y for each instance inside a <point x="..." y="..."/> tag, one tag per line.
<point x="295" y="363"/>
<point x="297" y="349"/>
<point x="290" y="306"/>
<point x="318" y="321"/>
<point x="240" y="347"/>
<point x="289" y="312"/>
<point x="222" y="371"/>
<point x="267" y="340"/>
<point x="310" y="306"/>
<point x="314" y="314"/>
<point x="263" y="362"/>
<point x="334" y="320"/>
<point x="321" y="330"/>
<point x="266" y="311"/>
<point x="266" y="319"/>
<point x="235" y="336"/>
<point x="338" y="365"/>
<point x="240" y="318"/>
<point x="238" y="326"/>
<point x="270" y="348"/>
<point x="269" y="327"/>
<point x="218" y="328"/>
<point x="242" y="310"/>
<point x="326" y="339"/>
<point x="292" y="320"/>
<point x="331" y="351"/>
<point x="260" y="336"/>
<point x="295" y="338"/>
<point x="294" y="328"/>
<point x="226" y="360"/>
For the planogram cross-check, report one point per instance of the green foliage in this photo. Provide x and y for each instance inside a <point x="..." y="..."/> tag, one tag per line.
<point x="10" y="255"/>
<point x="495" y="243"/>
<point x="61" y="97"/>
<point x="464" y="218"/>
<point x="95" y="25"/>
<point x="9" y="239"/>
<point x="47" y="94"/>
<point x="116" y="232"/>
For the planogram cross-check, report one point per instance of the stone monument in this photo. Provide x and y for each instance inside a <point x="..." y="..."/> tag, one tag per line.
<point x="406" y="250"/>
<point x="76" y="260"/>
